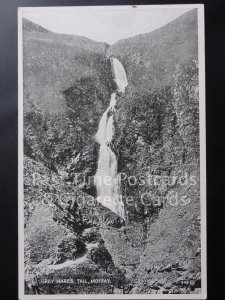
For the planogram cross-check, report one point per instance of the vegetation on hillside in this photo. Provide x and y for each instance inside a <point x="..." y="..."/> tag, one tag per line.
<point x="67" y="86"/>
<point x="150" y="59"/>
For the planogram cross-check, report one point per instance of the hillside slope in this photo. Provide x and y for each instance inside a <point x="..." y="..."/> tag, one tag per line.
<point x="150" y="59"/>
<point x="68" y="82"/>
<point x="157" y="137"/>
<point x="67" y="86"/>
<point x="54" y="62"/>
<point x="61" y="237"/>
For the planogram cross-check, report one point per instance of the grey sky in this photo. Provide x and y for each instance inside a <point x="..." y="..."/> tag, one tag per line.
<point x="104" y="24"/>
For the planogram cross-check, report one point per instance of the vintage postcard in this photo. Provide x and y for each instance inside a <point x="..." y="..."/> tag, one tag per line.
<point x="112" y="176"/>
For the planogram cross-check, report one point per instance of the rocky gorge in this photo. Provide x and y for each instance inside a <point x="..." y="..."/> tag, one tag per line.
<point x="68" y="81"/>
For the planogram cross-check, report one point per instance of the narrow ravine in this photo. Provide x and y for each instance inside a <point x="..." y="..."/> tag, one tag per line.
<point x="106" y="179"/>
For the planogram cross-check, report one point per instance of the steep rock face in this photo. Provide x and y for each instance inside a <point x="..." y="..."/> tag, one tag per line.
<point x="157" y="126"/>
<point x="61" y="239"/>
<point x="50" y="214"/>
<point x="171" y="259"/>
<point x="67" y="85"/>
<point x="156" y="135"/>
<point x="157" y="146"/>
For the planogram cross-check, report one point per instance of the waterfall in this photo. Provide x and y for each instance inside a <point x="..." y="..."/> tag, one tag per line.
<point x="106" y="179"/>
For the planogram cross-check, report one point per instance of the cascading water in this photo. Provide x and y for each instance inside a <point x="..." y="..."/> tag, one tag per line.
<point x="106" y="179"/>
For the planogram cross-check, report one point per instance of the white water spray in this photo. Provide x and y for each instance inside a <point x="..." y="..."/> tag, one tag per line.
<point x="106" y="179"/>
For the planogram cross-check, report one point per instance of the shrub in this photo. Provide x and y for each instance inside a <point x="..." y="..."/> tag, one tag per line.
<point x="69" y="249"/>
<point x="91" y="235"/>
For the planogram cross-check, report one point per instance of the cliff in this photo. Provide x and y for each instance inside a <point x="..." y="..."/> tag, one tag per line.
<point x="157" y="137"/>
<point x="67" y="85"/>
<point x="68" y="82"/>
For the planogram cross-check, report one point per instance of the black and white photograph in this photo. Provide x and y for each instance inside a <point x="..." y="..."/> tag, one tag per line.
<point x="112" y="179"/>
